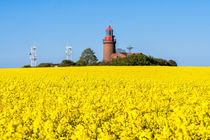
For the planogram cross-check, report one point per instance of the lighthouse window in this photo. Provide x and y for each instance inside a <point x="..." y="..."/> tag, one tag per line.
<point x="108" y="33"/>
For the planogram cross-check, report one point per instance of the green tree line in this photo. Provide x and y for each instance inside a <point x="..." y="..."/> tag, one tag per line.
<point x="88" y="58"/>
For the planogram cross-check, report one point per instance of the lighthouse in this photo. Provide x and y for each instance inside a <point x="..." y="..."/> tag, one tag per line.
<point x="109" y="45"/>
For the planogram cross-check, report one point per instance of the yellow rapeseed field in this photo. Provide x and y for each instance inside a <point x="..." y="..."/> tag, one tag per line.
<point x="105" y="103"/>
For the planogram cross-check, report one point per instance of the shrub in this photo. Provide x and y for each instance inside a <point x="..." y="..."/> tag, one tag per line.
<point x="27" y="66"/>
<point x="172" y="63"/>
<point x="141" y="60"/>
<point x="66" y="63"/>
<point x="46" y="65"/>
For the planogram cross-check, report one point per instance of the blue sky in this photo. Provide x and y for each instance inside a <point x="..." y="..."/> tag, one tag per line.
<point x="170" y="29"/>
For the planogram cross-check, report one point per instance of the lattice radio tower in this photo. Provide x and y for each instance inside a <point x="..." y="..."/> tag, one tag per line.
<point x="68" y="53"/>
<point x="33" y="56"/>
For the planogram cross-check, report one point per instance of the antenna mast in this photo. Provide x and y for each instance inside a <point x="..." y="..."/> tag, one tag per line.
<point x="129" y="49"/>
<point x="33" y="56"/>
<point x="111" y="31"/>
<point x="68" y="53"/>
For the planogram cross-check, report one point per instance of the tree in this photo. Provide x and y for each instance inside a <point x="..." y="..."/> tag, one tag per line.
<point x="66" y="63"/>
<point x="80" y="63"/>
<point x="87" y="57"/>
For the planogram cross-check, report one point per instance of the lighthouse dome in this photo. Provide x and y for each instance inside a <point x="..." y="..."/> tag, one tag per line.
<point x="109" y="28"/>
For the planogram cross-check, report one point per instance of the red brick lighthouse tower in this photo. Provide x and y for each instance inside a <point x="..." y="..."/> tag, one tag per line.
<point x="109" y="45"/>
